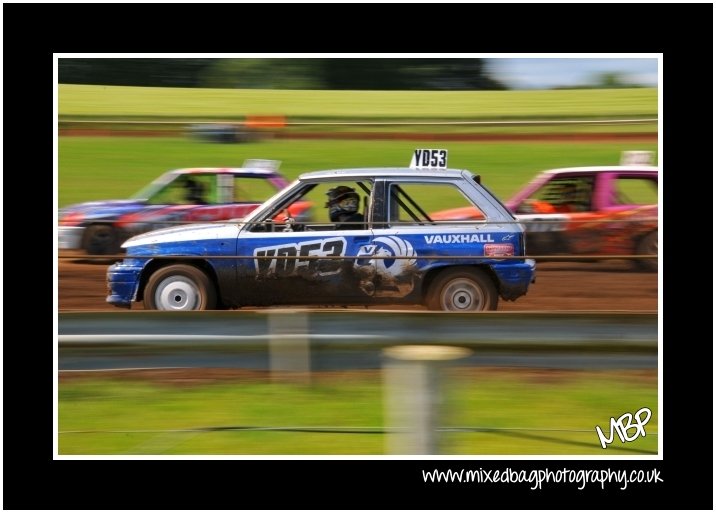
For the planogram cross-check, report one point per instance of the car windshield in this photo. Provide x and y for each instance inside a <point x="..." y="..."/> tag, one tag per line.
<point x="155" y="186"/>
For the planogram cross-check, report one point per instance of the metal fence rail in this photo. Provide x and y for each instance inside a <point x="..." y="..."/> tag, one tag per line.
<point x="352" y="338"/>
<point x="528" y="122"/>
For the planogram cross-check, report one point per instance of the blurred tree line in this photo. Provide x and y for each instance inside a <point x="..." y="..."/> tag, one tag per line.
<point x="300" y="73"/>
<point x="609" y="80"/>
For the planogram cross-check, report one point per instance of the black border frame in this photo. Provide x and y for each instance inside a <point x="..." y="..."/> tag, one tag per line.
<point x="33" y="480"/>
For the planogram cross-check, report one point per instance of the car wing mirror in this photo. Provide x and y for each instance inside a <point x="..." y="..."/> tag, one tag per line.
<point x="289" y="221"/>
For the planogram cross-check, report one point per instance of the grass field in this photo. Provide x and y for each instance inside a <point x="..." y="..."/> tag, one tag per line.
<point x="93" y="168"/>
<point x="85" y="101"/>
<point x="558" y="411"/>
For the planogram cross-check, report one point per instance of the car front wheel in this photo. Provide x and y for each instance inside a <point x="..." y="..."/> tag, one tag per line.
<point x="179" y="287"/>
<point x="462" y="289"/>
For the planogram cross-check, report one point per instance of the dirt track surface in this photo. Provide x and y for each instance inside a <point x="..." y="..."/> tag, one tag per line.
<point x="561" y="286"/>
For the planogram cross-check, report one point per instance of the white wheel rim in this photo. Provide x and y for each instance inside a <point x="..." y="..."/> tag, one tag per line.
<point x="177" y="293"/>
<point x="462" y="295"/>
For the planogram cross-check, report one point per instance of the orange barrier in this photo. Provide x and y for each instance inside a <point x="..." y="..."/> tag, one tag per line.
<point x="265" y="121"/>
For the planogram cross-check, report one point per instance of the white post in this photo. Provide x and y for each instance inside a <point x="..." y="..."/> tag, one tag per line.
<point x="412" y="396"/>
<point x="289" y="346"/>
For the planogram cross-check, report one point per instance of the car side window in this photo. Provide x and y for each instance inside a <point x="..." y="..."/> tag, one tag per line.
<point x="185" y="190"/>
<point x="635" y="191"/>
<point x="568" y="194"/>
<point x="321" y="206"/>
<point x="411" y="203"/>
<point x="252" y="190"/>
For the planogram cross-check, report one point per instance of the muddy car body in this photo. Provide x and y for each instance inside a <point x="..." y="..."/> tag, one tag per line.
<point x="610" y="210"/>
<point x="397" y="254"/>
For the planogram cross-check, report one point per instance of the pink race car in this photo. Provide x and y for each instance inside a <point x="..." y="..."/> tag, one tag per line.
<point x="600" y="210"/>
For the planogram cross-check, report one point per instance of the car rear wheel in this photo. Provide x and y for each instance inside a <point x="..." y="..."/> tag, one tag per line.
<point x="462" y="289"/>
<point x="648" y="245"/>
<point x="100" y="239"/>
<point x="179" y="287"/>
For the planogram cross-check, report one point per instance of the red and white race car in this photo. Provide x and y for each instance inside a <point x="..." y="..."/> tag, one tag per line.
<point x="598" y="210"/>
<point x="176" y="197"/>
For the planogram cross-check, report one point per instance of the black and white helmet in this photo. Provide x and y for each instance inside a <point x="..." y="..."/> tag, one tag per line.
<point x="342" y="200"/>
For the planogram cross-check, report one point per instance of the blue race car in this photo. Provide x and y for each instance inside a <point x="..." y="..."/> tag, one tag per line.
<point x="373" y="244"/>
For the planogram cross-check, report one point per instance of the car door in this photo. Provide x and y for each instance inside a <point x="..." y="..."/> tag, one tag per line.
<point x="625" y="210"/>
<point x="308" y="261"/>
<point x="554" y="223"/>
<point x="404" y="234"/>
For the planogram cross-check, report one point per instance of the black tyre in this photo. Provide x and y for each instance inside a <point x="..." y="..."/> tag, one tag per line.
<point x="648" y="245"/>
<point x="179" y="287"/>
<point x="101" y="239"/>
<point x="462" y="289"/>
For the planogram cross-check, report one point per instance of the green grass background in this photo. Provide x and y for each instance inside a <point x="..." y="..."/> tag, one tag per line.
<point x="93" y="168"/>
<point x="548" y="401"/>
<point x="143" y="102"/>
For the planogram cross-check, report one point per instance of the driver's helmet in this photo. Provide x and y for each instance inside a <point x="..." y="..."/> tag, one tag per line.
<point x="194" y="191"/>
<point x="342" y="200"/>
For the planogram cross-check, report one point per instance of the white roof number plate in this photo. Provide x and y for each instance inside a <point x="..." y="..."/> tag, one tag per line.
<point x="429" y="159"/>
<point x="637" y="158"/>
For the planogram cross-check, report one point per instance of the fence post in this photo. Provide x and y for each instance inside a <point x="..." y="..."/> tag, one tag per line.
<point x="289" y="346"/>
<point x="413" y="397"/>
